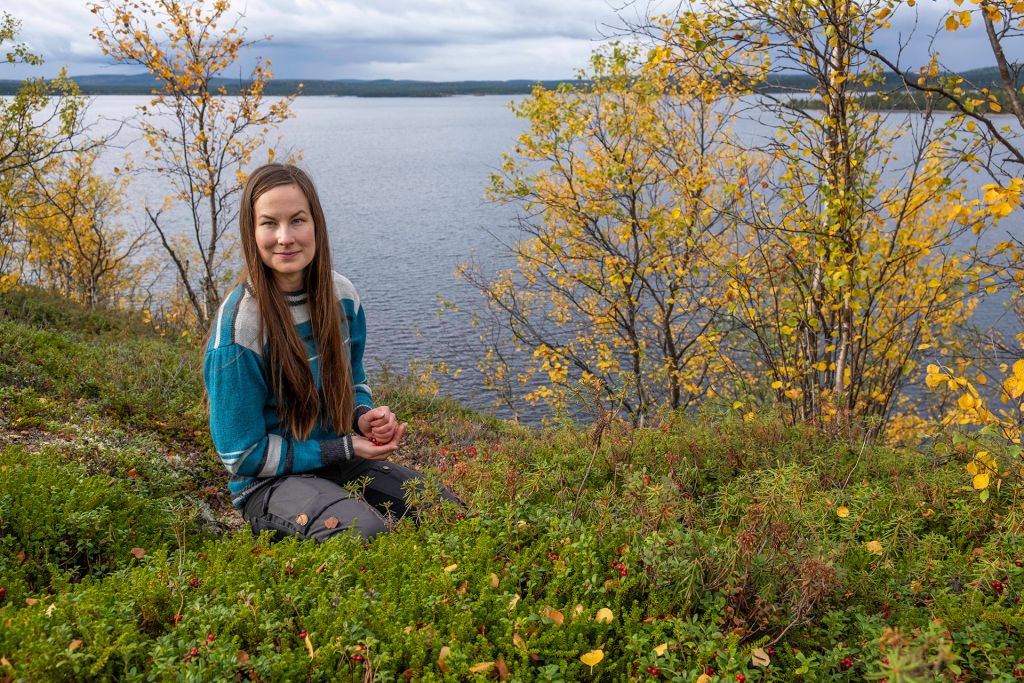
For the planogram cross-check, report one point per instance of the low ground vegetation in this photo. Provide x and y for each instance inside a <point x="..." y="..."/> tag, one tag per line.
<point x="710" y="547"/>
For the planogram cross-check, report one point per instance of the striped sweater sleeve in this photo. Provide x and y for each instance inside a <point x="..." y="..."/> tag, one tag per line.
<point x="238" y="394"/>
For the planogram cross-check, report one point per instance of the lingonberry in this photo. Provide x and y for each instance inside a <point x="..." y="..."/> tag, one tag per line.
<point x="357" y="658"/>
<point x="3" y="592"/>
<point x="846" y="663"/>
<point x="210" y="638"/>
<point x="708" y="671"/>
<point x="740" y="678"/>
<point x="997" y="586"/>
<point x="194" y="582"/>
<point x="303" y="634"/>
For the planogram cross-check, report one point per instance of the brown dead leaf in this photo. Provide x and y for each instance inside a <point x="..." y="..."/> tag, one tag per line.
<point x="21" y="557"/>
<point x="133" y="473"/>
<point x="502" y="669"/>
<point x="461" y="590"/>
<point x="518" y="641"/>
<point x="553" y="614"/>
<point x="441" y="657"/>
<point x="243" y="657"/>
<point x="75" y="644"/>
<point x="30" y="601"/>
<point x="408" y="674"/>
<point x="321" y="568"/>
<point x="139" y="553"/>
<point x="302" y="519"/>
<point x="331" y="522"/>
<point x="494" y="580"/>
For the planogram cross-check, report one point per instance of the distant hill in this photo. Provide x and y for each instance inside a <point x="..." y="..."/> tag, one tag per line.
<point x="144" y="83"/>
<point x="986" y="77"/>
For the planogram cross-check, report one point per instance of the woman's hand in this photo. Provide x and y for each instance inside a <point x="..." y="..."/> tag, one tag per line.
<point x="378" y="424"/>
<point x="365" y="448"/>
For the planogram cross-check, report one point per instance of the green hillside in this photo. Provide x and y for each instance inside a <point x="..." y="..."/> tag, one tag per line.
<point x="704" y="547"/>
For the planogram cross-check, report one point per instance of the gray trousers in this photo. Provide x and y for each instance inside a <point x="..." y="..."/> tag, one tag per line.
<point x="315" y="505"/>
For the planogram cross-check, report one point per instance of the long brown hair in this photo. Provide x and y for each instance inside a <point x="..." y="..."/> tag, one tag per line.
<point x="299" y="406"/>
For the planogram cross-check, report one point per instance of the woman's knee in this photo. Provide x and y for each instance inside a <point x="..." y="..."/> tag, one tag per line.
<point x="311" y="507"/>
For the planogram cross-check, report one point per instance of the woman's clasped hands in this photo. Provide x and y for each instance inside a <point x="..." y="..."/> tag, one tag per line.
<point x="382" y="434"/>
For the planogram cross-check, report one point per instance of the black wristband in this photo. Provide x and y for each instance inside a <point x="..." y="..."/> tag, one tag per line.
<point x="337" y="450"/>
<point x="358" y="413"/>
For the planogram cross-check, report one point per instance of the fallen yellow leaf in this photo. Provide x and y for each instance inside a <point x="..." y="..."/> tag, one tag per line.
<point x="592" y="658"/>
<point x="660" y="649"/>
<point x="604" y="616"/>
<point x="874" y="547"/>
<point x="481" y="667"/>
<point x="842" y="511"/>
<point x="450" y="568"/>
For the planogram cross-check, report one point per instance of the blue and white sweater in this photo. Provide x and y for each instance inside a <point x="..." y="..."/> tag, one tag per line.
<point x="247" y="433"/>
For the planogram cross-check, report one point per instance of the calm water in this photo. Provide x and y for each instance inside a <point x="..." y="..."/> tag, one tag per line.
<point x="403" y="183"/>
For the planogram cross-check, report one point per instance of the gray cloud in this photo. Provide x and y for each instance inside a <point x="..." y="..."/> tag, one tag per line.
<point x="426" y="39"/>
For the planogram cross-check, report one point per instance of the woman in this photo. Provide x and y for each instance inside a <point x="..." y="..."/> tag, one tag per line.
<point x="291" y="414"/>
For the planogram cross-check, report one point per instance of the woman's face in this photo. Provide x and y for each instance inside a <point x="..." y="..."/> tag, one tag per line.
<point x="285" y="236"/>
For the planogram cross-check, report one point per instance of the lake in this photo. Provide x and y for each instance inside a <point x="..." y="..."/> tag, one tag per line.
<point x="403" y="184"/>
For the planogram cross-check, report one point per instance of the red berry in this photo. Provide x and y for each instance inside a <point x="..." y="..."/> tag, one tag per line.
<point x="708" y="671"/>
<point x="362" y="569"/>
<point x="303" y="634"/>
<point x="176" y="619"/>
<point x="210" y="638"/>
<point x="740" y="678"/>
<point x="846" y="663"/>
<point x="194" y="582"/>
<point x="357" y="658"/>
<point x="770" y="651"/>
<point x="461" y="515"/>
<point x="1017" y="673"/>
<point x="997" y="586"/>
<point x="3" y="592"/>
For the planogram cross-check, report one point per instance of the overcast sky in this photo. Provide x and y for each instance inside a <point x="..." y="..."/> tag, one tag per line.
<point x="424" y="39"/>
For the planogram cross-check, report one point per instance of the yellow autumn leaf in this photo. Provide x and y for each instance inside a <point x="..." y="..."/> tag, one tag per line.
<point x="951" y="23"/>
<point x="967" y="402"/>
<point x="604" y="616"/>
<point x="450" y="568"/>
<point x="660" y="649"/>
<point x="1018" y="369"/>
<point x="703" y="678"/>
<point x="980" y="481"/>
<point x="874" y="547"/>
<point x="842" y="511"/>
<point x="592" y="658"/>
